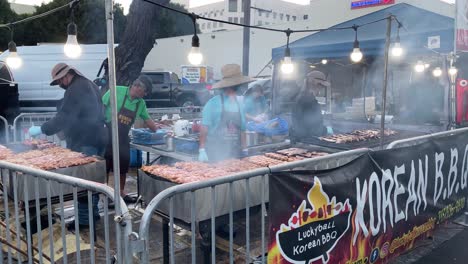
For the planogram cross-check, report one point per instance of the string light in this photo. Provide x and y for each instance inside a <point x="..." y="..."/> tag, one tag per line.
<point x="356" y="55"/>
<point x="72" y="49"/>
<point x="453" y="71"/>
<point x="195" y="57"/>
<point x="397" y="50"/>
<point x="419" y="67"/>
<point x="13" y="60"/>
<point x="287" y="67"/>
<point x="437" y="72"/>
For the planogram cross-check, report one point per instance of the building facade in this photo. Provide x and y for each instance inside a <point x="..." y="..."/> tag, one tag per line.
<point x="262" y="13"/>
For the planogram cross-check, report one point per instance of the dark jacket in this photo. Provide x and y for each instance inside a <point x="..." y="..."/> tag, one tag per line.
<point x="307" y="119"/>
<point x="80" y="116"/>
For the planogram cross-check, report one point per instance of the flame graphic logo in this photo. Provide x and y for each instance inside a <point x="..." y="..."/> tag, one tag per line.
<point x="315" y="228"/>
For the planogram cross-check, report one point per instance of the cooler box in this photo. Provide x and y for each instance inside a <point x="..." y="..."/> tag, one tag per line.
<point x="136" y="158"/>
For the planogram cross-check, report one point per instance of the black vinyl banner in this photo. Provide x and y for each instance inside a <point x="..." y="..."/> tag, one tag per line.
<point x="369" y="210"/>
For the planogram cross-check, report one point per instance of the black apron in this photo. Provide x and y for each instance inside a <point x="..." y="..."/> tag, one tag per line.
<point x="125" y="119"/>
<point x="225" y="142"/>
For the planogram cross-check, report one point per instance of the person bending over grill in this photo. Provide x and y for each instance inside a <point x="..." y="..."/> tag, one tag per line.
<point x="223" y="120"/>
<point x="307" y="119"/>
<point x="81" y="120"/>
<point x="130" y="105"/>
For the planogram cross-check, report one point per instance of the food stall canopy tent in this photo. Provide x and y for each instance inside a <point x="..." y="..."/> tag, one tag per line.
<point x="418" y="26"/>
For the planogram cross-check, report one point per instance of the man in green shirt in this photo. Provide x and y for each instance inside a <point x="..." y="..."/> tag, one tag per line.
<point x="130" y="105"/>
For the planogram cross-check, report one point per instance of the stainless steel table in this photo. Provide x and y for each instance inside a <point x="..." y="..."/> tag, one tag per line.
<point x="159" y="151"/>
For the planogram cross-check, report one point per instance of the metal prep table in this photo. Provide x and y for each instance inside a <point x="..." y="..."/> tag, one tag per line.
<point x="160" y="151"/>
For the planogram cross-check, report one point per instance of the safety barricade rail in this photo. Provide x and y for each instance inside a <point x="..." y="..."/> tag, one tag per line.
<point x="421" y="139"/>
<point x="189" y="112"/>
<point x="224" y="190"/>
<point x="6" y="129"/>
<point x="25" y="191"/>
<point x="24" y="121"/>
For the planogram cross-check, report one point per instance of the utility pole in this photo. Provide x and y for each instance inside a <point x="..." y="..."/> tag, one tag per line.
<point x="246" y="45"/>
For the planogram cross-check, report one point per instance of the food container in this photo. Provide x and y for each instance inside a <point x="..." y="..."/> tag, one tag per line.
<point x="251" y="138"/>
<point x="145" y="136"/>
<point x="181" y="128"/>
<point x="169" y="143"/>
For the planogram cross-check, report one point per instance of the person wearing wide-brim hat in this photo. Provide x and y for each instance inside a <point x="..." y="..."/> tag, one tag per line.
<point x="223" y="124"/>
<point x="81" y="120"/>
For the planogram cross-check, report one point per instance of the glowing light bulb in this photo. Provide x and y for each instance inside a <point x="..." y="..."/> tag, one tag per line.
<point x="287" y="67"/>
<point x="397" y="50"/>
<point x="356" y="55"/>
<point x="72" y="49"/>
<point x="195" y="57"/>
<point x="437" y="72"/>
<point x="324" y="61"/>
<point x="14" y="61"/>
<point x="419" y="67"/>
<point x="453" y="71"/>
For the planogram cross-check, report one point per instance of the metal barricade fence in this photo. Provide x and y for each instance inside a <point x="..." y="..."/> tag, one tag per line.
<point x="25" y="120"/>
<point x="191" y="112"/>
<point x="6" y="129"/>
<point x="421" y="139"/>
<point x="253" y="192"/>
<point x="25" y="191"/>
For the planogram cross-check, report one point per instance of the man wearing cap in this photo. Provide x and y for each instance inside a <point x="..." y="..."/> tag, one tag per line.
<point x="81" y="120"/>
<point x="223" y="124"/>
<point x="130" y="105"/>
<point x="307" y="119"/>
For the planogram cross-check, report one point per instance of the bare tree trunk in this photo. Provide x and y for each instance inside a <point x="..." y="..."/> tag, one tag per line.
<point x="137" y="41"/>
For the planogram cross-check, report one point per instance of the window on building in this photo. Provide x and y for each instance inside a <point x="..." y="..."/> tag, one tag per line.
<point x="306" y="17"/>
<point x="215" y="24"/>
<point x="259" y="13"/>
<point x="294" y="18"/>
<point x="230" y="19"/>
<point x="267" y="14"/>
<point x="221" y="24"/>
<point x="232" y="5"/>
<point x="260" y="23"/>
<point x="236" y="20"/>
<point x="203" y="26"/>
<point x="208" y="25"/>
<point x="287" y="17"/>
<point x="216" y="14"/>
<point x="242" y="20"/>
<point x="267" y="23"/>
<point x="281" y="16"/>
<point x="274" y="15"/>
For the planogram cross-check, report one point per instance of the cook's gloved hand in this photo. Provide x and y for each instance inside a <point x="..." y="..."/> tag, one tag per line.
<point x="35" y="131"/>
<point x="329" y="130"/>
<point x="202" y="155"/>
<point x="244" y="153"/>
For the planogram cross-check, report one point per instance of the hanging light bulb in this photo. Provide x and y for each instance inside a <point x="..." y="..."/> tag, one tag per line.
<point x="195" y="57"/>
<point x="356" y="55"/>
<point x="13" y="60"/>
<point x="324" y="61"/>
<point x="287" y="66"/>
<point x="72" y="49"/>
<point x="419" y="67"/>
<point x="453" y="71"/>
<point x="437" y="72"/>
<point x="397" y="50"/>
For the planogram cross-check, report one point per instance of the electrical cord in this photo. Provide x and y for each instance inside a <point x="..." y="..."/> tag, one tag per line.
<point x="71" y="5"/>
<point x="195" y="16"/>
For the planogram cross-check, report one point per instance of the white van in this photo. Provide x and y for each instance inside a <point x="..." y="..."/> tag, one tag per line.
<point x="33" y="77"/>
